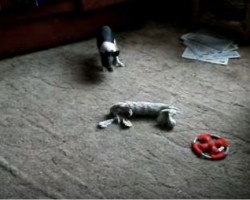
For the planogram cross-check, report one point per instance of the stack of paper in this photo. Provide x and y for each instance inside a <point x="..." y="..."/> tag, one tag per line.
<point x="207" y="47"/>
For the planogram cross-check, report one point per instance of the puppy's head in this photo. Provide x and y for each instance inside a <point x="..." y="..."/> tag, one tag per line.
<point x="109" y="59"/>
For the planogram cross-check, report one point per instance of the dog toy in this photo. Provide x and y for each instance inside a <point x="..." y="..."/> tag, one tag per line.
<point x="123" y="110"/>
<point x="107" y="47"/>
<point x="210" y="146"/>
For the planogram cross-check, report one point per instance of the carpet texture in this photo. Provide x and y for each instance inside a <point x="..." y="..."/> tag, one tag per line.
<point x="51" y="102"/>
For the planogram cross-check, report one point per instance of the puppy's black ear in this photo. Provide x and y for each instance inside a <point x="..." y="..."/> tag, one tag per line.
<point x="116" y="53"/>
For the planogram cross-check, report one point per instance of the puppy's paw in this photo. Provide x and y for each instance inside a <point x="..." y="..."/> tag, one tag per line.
<point x="120" y="64"/>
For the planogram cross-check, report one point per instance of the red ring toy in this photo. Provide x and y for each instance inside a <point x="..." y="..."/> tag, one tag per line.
<point x="210" y="146"/>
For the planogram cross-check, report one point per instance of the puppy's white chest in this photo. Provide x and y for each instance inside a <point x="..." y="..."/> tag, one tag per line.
<point x="108" y="46"/>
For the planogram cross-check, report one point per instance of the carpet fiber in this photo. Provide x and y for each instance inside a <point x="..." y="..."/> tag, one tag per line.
<point x="51" y="102"/>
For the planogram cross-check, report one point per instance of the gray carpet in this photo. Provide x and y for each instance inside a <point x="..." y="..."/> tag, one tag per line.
<point x="51" y="102"/>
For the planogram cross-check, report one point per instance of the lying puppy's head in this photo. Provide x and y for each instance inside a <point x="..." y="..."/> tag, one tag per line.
<point x="122" y="110"/>
<point x="109" y="59"/>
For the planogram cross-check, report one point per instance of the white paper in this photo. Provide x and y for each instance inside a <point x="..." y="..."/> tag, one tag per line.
<point x="207" y="48"/>
<point x="188" y="53"/>
<point x="203" y="37"/>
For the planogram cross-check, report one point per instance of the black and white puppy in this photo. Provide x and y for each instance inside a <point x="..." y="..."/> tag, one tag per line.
<point x="108" y="49"/>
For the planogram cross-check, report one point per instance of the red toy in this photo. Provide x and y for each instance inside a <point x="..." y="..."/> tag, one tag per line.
<point x="210" y="146"/>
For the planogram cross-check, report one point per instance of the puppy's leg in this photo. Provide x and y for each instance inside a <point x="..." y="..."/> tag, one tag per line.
<point x="118" y="63"/>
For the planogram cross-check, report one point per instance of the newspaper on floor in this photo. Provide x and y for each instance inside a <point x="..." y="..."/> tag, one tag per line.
<point x="208" y="47"/>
